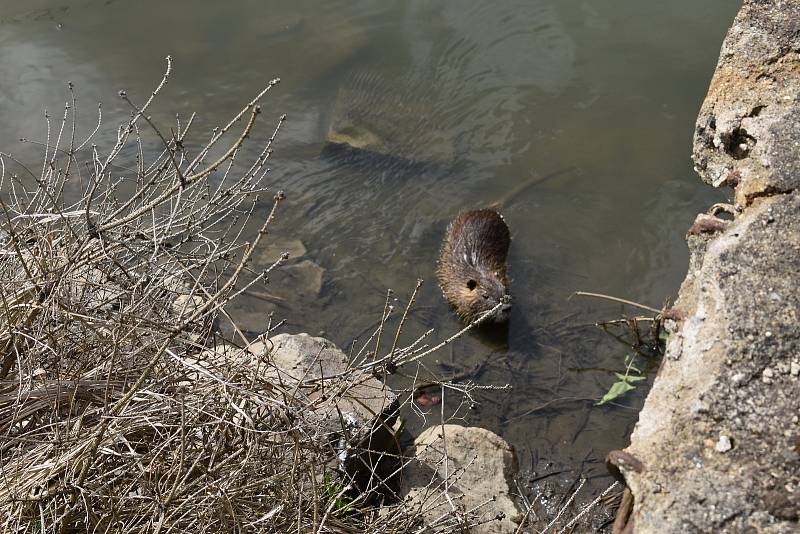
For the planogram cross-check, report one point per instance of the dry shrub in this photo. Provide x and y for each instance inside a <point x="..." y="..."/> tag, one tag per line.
<point x="115" y="268"/>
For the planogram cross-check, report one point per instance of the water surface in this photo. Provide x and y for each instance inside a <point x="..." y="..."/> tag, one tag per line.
<point x="469" y="100"/>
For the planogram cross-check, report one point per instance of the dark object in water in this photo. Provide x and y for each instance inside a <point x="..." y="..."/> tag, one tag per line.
<point x="472" y="265"/>
<point x="427" y="397"/>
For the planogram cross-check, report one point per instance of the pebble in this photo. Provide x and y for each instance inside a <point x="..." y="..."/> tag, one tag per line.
<point x="697" y="407"/>
<point x="794" y="370"/>
<point x="767" y="375"/>
<point x="738" y="378"/>
<point x="724" y="444"/>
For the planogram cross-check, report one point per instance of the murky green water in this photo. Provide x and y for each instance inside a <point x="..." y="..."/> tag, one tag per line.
<point x="469" y="99"/>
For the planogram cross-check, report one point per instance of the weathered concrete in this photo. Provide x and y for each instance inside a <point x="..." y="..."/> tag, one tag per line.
<point x="719" y="436"/>
<point x="463" y="476"/>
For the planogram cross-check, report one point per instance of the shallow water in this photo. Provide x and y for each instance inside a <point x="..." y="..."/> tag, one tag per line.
<point x="468" y="99"/>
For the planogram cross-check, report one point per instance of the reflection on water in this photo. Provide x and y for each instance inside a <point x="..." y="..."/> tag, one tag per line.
<point x="459" y="102"/>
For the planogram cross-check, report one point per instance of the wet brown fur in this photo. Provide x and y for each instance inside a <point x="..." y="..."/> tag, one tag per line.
<point x="472" y="263"/>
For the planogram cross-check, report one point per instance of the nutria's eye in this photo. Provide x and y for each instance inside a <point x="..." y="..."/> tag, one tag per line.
<point x="472" y="284"/>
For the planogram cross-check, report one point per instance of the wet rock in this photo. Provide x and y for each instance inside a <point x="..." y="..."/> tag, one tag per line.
<point x="740" y="335"/>
<point x="293" y="283"/>
<point x="303" y="280"/>
<point x="475" y="468"/>
<point x="389" y="118"/>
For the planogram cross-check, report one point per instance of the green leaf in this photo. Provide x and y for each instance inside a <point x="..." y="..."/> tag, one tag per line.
<point x="629" y="359"/>
<point x="617" y="389"/>
<point x="630" y="378"/>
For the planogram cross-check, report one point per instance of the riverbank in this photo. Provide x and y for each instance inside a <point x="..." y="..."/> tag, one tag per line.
<point x="717" y="445"/>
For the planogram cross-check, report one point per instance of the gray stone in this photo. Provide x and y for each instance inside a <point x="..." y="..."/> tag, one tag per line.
<point x="748" y="130"/>
<point x="350" y="416"/>
<point x="293" y="286"/>
<point x="354" y="417"/>
<point x="303" y="280"/>
<point x="726" y="285"/>
<point x="458" y="469"/>
<point x="185" y="305"/>
<point x="724" y="444"/>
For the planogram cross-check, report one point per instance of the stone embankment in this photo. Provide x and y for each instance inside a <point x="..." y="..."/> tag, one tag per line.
<point x="717" y="445"/>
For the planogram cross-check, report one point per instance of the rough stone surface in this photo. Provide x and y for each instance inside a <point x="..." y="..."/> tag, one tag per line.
<point x="355" y="422"/>
<point x="719" y="435"/>
<point x="726" y="382"/>
<point x="479" y="466"/>
<point x="748" y="131"/>
<point x="301" y="356"/>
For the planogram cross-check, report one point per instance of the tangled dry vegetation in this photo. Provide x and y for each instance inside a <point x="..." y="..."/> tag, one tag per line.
<point x="116" y="266"/>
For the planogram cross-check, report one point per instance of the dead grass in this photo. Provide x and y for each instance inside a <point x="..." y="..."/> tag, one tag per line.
<point x="115" y="269"/>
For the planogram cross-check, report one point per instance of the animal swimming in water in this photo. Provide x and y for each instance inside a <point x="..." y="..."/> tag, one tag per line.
<point x="472" y="265"/>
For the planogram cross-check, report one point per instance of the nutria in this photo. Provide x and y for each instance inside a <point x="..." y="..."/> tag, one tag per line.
<point x="472" y="265"/>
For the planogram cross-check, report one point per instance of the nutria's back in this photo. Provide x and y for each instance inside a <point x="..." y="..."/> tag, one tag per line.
<point x="472" y="264"/>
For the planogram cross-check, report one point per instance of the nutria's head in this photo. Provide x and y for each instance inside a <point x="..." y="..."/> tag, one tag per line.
<point x="476" y="291"/>
<point x="472" y="265"/>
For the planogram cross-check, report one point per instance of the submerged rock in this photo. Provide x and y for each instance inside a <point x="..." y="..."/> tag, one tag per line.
<point x="734" y="465"/>
<point x="276" y="246"/>
<point x="373" y="115"/>
<point x="296" y="286"/>
<point x="464" y="476"/>
<point x="303" y="280"/>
